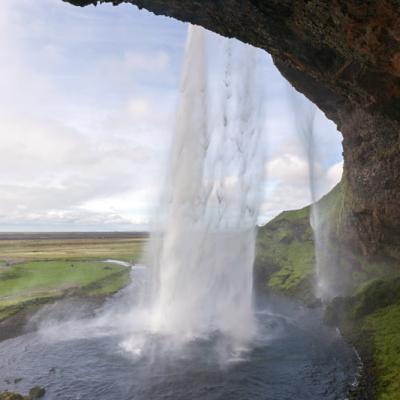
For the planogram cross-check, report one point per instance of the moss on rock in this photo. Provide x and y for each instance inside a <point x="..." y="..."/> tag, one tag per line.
<point x="370" y="319"/>
<point x="35" y="393"/>
<point x="11" y="396"/>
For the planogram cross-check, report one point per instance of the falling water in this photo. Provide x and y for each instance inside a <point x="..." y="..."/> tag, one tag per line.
<point x="330" y="279"/>
<point x="202" y="272"/>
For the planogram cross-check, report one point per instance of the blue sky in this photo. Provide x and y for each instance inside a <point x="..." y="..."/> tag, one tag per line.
<point x="87" y="112"/>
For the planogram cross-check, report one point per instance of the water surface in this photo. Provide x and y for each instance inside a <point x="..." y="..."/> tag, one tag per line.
<point x="294" y="357"/>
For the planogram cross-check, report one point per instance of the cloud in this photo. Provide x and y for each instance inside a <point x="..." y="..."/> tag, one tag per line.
<point x="288" y="168"/>
<point x="85" y="115"/>
<point x="49" y="170"/>
<point x="288" y="184"/>
<point x="334" y="174"/>
<point x="134" y="62"/>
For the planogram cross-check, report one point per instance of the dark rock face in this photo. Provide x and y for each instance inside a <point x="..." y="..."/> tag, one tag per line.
<point x="345" y="56"/>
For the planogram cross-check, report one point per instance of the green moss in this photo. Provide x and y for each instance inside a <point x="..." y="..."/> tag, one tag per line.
<point x="384" y="325"/>
<point x="374" y="296"/>
<point x="35" y="393"/>
<point x="12" y="396"/>
<point x="297" y="267"/>
<point x="370" y="319"/>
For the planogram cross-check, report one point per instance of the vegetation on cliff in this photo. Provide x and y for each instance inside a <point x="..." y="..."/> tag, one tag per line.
<point x="370" y="319"/>
<point x="367" y="312"/>
<point x="285" y="255"/>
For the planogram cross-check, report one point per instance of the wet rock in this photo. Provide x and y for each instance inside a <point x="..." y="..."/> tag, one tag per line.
<point x="36" y="392"/>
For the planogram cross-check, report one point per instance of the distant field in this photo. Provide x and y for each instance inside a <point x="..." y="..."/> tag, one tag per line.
<point x="41" y="268"/>
<point x="30" y="247"/>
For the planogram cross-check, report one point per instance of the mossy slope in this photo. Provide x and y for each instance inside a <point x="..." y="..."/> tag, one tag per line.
<point x="285" y="255"/>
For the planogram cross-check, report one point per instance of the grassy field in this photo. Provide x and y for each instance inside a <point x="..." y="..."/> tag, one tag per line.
<point x="15" y="250"/>
<point x="36" y="270"/>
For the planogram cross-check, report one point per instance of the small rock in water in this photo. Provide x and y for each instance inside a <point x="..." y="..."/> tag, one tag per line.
<point x="36" y="392"/>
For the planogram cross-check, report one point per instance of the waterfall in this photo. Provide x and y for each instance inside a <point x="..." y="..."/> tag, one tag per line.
<point x="330" y="279"/>
<point x="204" y="240"/>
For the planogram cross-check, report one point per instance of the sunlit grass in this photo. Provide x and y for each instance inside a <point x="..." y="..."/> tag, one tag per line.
<point x="42" y="281"/>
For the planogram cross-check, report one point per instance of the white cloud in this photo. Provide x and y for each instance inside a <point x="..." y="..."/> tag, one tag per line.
<point x="288" y="184"/>
<point x="334" y="174"/>
<point x="288" y="168"/>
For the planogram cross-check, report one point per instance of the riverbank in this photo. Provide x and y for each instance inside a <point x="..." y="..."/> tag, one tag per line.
<point x="40" y="269"/>
<point x="21" y="300"/>
<point x="28" y="285"/>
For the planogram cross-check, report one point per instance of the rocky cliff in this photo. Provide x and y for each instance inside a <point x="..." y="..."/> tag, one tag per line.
<point x="345" y="56"/>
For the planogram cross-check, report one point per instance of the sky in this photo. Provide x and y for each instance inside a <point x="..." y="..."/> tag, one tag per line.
<point x="87" y="107"/>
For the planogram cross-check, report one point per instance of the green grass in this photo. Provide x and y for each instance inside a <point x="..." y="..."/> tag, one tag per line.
<point x="297" y="267"/>
<point x="42" y="281"/>
<point x="384" y="325"/>
<point x="285" y="255"/>
<point x="38" y="271"/>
